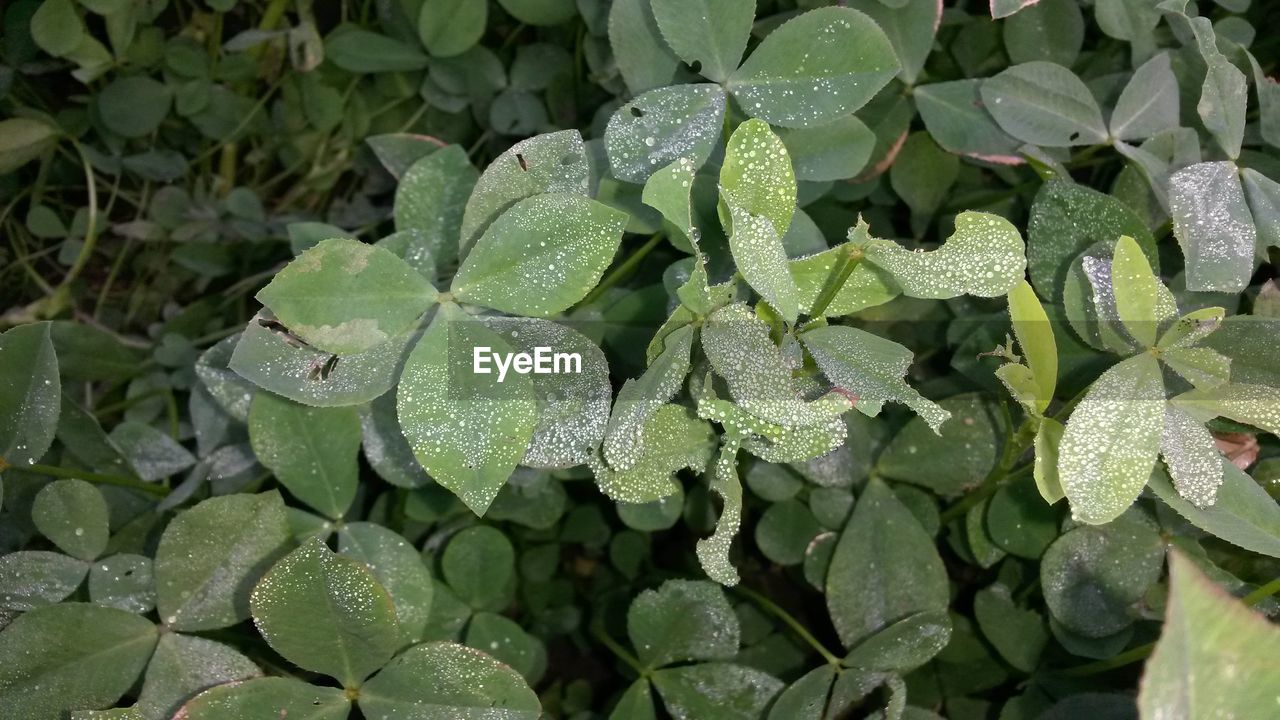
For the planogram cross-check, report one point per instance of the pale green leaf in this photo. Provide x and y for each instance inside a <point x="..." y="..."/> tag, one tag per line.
<point x="541" y="256"/>
<point x="1242" y="514"/>
<point x="802" y="74"/>
<point x="1202" y="367"/>
<point x="1257" y="405"/>
<point x="757" y="250"/>
<point x="910" y="26"/>
<point x="640" y="398"/>
<point x="1191" y="457"/>
<point x="34" y="578"/>
<point x="1191" y="328"/>
<point x="23" y="140"/>
<point x="713" y="551"/>
<point x="644" y="59"/>
<point x="1111" y="440"/>
<point x="1035" y="340"/>
<point x="837" y="150"/>
<point x="1224" y="93"/>
<point x="757" y="176"/>
<point x="1149" y="102"/>
<point x="1143" y="303"/>
<point x="662" y="126"/>
<point x="326" y="613"/>
<point x="311" y="450"/>
<point x="1045" y="469"/>
<point x="1213" y="225"/>
<point x="1209" y="661"/>
<point x="668" y="191"/>
<point x="866" y="286"/>
<point x="671" y="438"/>
<point x="466" y="430"/>
<point x="984" y="257"/>
<point x="344" y="296"/>
<point x="871" y="368"/>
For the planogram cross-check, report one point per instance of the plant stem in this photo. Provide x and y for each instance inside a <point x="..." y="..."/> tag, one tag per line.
<point x="599" y="633"/>
<point x="835" y="281"/>
<point x="91" y="233"/>
<point x="800" y="630"/>
<point x="1262" y="593"/>
<point x="117" y="480"/>
<point x="622" y="270"/>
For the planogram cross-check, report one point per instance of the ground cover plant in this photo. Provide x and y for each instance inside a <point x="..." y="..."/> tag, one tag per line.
<point x="902" y="359"/>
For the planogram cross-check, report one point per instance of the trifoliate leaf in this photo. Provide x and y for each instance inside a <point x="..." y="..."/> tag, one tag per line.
<point x="662" y="126"/>
<point x="1111" y="440"/>
<point x="541" y="256"/>
<point x="345" y="297"/>
<point x="326" y="613"/>
<point x="983" y="257"/>
<point x="802" y="74"/>
<point x="870" y="368"/>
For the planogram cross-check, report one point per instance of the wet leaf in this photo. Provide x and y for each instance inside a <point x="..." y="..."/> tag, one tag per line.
<point x="311" y="451"/>
<point x="680" y="621"/>
<point x="984" y="257"/>
<point x="30" y="393"/>
<point x="662" y="126"/>
<point x="1213" y="225"/>
<point x="73" y="514"/>
<point x="452" y="679"/>
<point x="1044" y="104"/>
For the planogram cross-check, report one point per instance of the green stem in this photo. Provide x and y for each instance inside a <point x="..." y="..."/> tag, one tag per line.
<point x="1014" y="446"/>
<point x="1262" y="593"/>
<point x="622" y="270"/>
<point x="91" y="233"/>
<point x="800" y="630"/>
<point x="836" y="280"/>
<point x="117" y="480"/>
<point x="599" y="633"/>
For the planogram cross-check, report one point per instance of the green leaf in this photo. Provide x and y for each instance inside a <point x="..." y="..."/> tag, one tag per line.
<point x="1035" y="340"/>
<point x="1242" y="514"/>
<point x="448" y="680"/>
<point x="718" y="690"/>
<point x="801" y="74"/>
<point x="953" y="114"/>
<point x="1263" y="196"/>
<point x="549" y="163"/>
<point x="639" y="400"/>
<point x="34" y="578"/>
<point x="540" y="12"/>
<point x="672" y="438"/>
<point x="923" y="173"/>
<point x="71" y="657"/>
<point x="466" y="430"/>
<point x="399" y="151"/>
<point x="910" y="26"/>
<point x="837" y="150"/>
<point x="57" y="28"/>
<point x="982" y="257"/>
<point x="1068" y="219"/>
<point x="1142" y="301"/>
<point x="326" y="613"/>
<point x="312" y="377"/>
<point x="1045" y="469"/>
<point x="1213" y="225"/>
<point x="1005" y="8"/>
<point x="1257" y="405"/>
<point x="884" y="568"/>
<point x="1195" y="670"/>
<point x="358" y="50"/>
<point x="681" y="621"/>
<point x="662" y="126"/>
<point x="636" y="703"/>
<point x="871" y="368"/>
<point x="124" y="581"/>
<point x="1191" y="328"/>
<point x="268" y="697"/>
<point x="1202" y="367"/>
<point x="432" y="196"/>
<point x="1148" y="105"/>
<point x="1044" y="104"/>
<point x="757" y="176"/>
<point x="23" y="140"/>
<point x="385" y="447"/>
<point x="1019" y="521"/>
<point x="73" y="514"/>
<point x="182" y="667"/>
<point x="1112" y="439"/>
<point x="134" y="106"/>
<point x="398" y="567"/>
<point x="479" y="565"/>
<point x="1191" y="457"/>
<point x="153" y="453"/>
<point x="451" y="27"/>
<point x="709" y="35"/>
<point x="1018" y="634"/>
<point x="541" y="256"/>
<point x="668" y="191"/>
<point x="757" y="250"/>
<point x="345" y="297"/>
<point x="785" y="531"/>
<point x="1224" y="94"/>
<point x="1051" y="30"/>
<point x="312" y="451"/>
<point x="30" y="394"/>
<point x="713" y="551"/>
<point x="953" y="458"/>
<point x="904" y="645"/>
<point x="508" y="643"/>
<point x="210" y="556"/>
<point x="643" y="58"/>
<point x="1093" y="575"/>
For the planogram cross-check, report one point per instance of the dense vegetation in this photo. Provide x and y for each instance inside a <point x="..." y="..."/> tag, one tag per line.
<point x="925" y="359"/>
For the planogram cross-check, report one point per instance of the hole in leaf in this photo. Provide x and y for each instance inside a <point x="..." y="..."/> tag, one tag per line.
<point x="568" y="160"/>
<point x="696" y="66"/>
<point x="523" y="164"/>
<point x="1074" y="136"/>
<point x="636" y="112"/>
